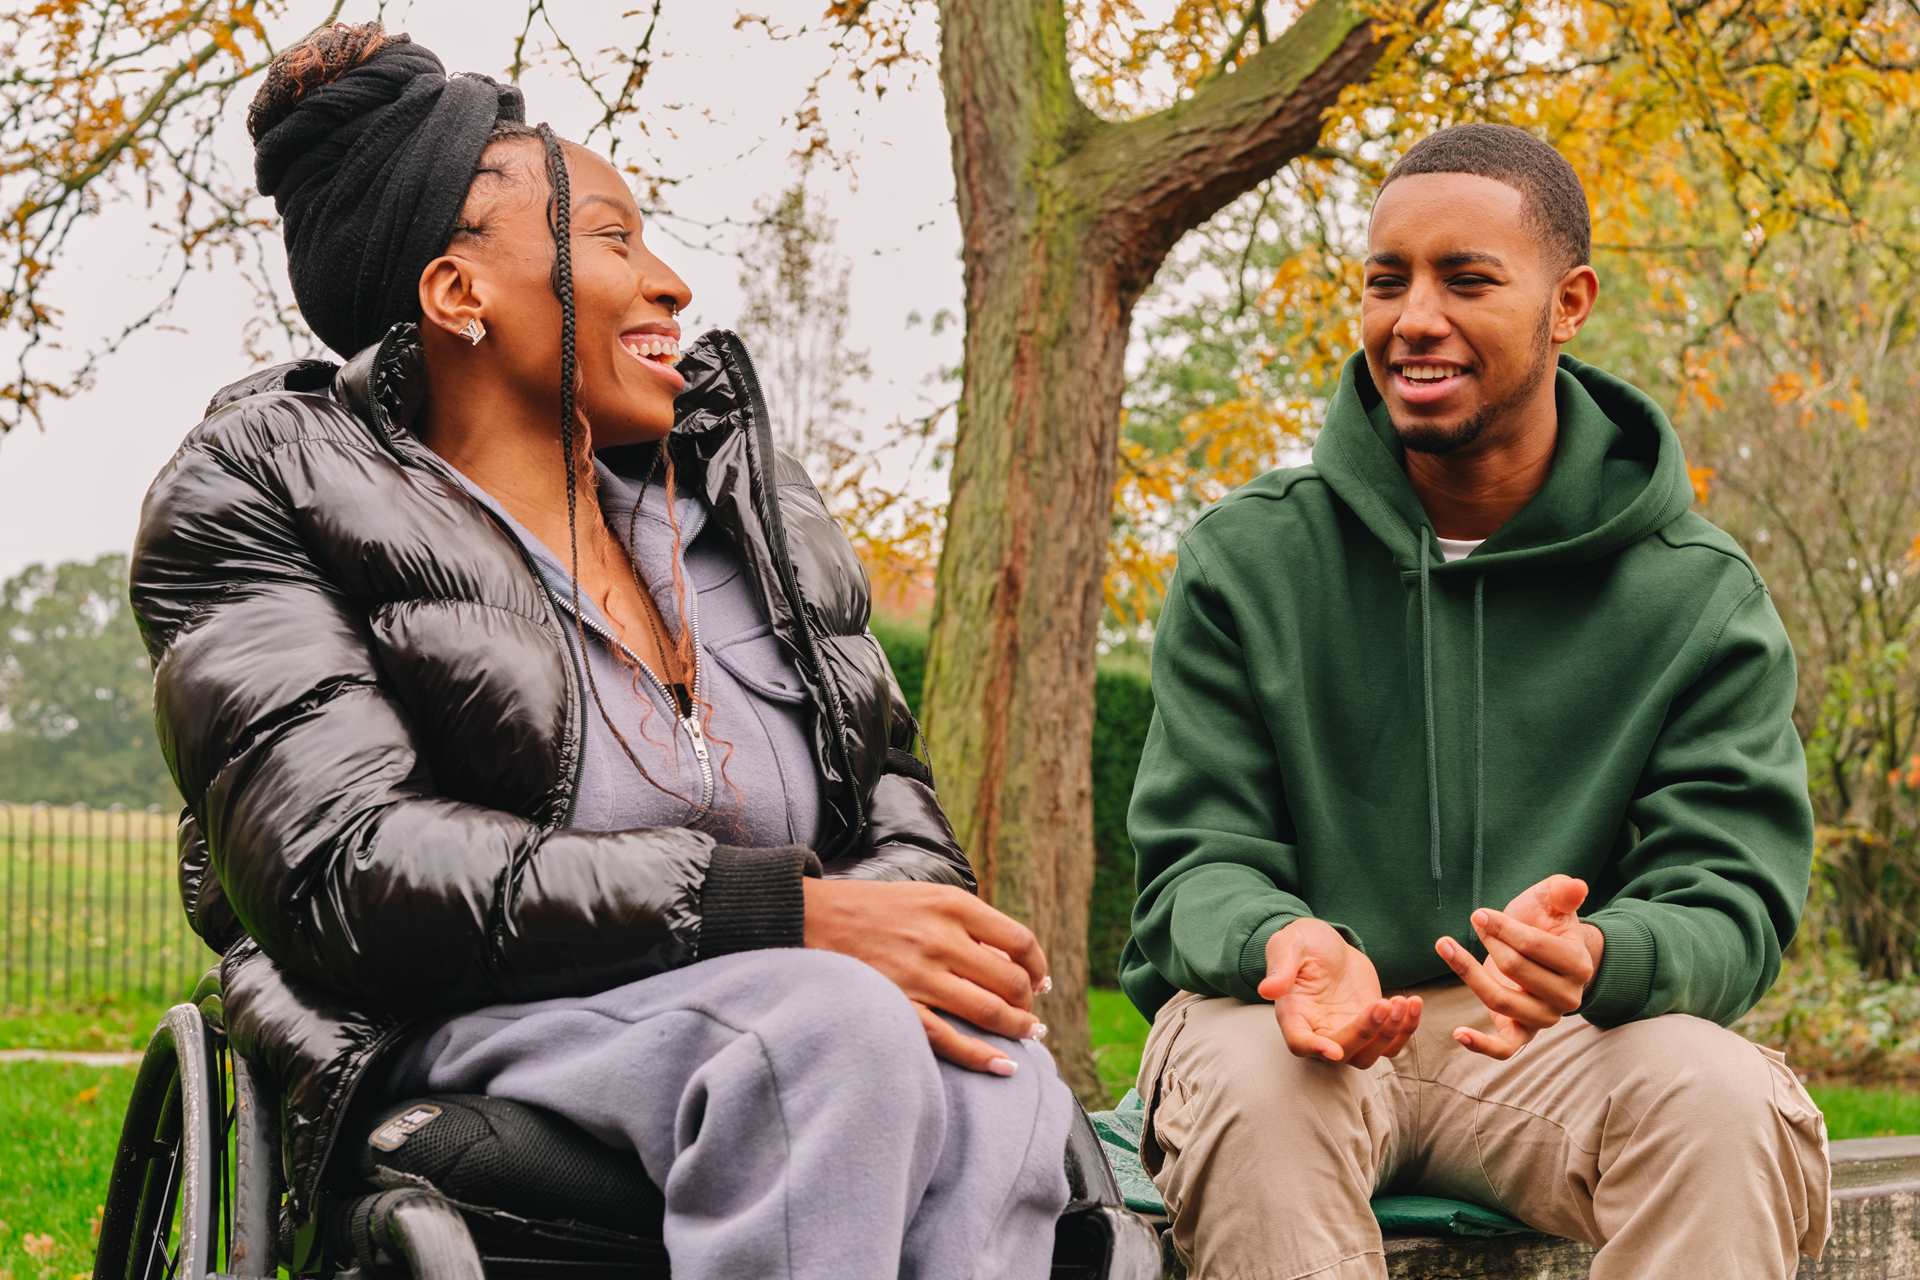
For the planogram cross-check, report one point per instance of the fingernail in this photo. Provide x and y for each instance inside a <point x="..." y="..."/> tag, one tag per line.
<point x="1003" y="1066"/>
<point x="1446" y="947"/>
<point x="1039" y="1031"/>
<point x="1481" y="919"/>
<point x="1046" y="985"/>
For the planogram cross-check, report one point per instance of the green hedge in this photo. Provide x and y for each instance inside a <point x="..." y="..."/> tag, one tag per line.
<point x="1122" y="706"/>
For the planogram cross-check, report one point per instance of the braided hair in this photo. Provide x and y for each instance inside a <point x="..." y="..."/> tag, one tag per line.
<point x="575" y="446"/>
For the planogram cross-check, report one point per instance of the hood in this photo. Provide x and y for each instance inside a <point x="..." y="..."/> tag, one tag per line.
<point x="1618" y="474"/>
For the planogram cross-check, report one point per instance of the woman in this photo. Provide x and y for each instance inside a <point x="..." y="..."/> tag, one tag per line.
<point x="532" y="737"/>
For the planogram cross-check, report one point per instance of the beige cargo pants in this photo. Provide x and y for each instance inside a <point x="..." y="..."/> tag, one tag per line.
<point x="1676" y="1147"/>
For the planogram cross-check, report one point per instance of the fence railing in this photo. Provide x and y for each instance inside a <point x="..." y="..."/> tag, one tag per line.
<point x="89" y="907"/>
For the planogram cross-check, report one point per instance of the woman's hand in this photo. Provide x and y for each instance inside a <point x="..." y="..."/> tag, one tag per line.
<point x="945" y="949"/>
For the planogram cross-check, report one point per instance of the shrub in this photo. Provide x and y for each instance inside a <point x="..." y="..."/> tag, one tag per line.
<point x="1122" y="707"/>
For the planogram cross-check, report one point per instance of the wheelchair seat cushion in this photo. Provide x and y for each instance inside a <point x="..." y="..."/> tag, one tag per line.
<point x="490" y="1153"/>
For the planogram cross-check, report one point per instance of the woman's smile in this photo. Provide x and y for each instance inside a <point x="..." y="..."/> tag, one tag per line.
<point x="656" y="348"/>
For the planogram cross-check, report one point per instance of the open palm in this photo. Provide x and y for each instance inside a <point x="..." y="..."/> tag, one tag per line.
<point x="1326" y="996"/>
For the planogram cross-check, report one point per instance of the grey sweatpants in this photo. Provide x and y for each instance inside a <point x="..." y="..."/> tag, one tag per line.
<point x="788" y="1106"/>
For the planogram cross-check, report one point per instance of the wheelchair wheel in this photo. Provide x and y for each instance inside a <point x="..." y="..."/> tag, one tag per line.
<point x="168" y="1209"/>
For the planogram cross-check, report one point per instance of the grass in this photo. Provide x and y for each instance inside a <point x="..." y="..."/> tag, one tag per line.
<point x="61" y="1122"/>
<point x="89" y="907"/>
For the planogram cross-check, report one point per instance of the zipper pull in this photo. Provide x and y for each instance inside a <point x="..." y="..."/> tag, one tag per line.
<point x="699" y="738"/>
<point x="683" y="700"/>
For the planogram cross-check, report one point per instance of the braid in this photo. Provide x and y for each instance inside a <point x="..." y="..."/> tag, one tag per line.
<point x="560" y="218"/>
<point x="560" y="222"/>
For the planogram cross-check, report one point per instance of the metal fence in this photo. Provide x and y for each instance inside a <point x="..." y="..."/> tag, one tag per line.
<point x="89" y="907"/>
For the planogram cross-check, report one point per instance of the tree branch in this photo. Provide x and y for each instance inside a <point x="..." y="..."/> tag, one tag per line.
<point x="1160" y="176"/>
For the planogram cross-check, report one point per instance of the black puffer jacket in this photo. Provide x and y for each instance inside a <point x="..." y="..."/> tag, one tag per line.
<point x="366" y="697"/>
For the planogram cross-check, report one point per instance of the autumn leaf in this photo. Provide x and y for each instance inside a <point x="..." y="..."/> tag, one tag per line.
<point x="38" y="1245"/>
<point x="1702" y="478"/>
<point x="86" y="1095"/>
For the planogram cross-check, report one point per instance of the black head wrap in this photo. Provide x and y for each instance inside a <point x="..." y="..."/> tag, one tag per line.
<point x="369" y="173"/>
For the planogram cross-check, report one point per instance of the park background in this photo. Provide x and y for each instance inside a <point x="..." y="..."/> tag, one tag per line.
<point x="1016" y="390"/>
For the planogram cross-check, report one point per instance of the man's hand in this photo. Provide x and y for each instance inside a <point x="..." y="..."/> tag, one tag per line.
<point x="1327" y="999"/>
<point x="1541" y="958"/>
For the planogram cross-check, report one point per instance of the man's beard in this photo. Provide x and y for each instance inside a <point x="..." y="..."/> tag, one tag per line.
<point x="1422" y="438"/>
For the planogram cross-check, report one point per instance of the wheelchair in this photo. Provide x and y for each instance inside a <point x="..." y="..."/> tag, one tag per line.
<point x="443" y="1187"/>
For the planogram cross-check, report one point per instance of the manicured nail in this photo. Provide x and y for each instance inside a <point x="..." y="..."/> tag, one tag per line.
<point x="1039" y="1031"/>
<point x="1046" y="985"/>
<point x="1003" y="1066"/>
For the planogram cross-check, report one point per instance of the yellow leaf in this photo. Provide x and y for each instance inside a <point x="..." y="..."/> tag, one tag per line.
<point x="1702" y="478"/>
<point x="86" y="1095"/>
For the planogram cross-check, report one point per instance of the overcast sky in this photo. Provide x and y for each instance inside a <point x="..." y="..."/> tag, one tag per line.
<point x="718" y="103"/>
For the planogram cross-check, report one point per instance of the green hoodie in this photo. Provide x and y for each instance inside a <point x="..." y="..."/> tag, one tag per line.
<point x="1347" y="727"/>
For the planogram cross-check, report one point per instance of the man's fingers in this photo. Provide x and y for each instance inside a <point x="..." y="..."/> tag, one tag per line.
<point x="1557" y="895"/>
<point x="963" y="1050"/>
<point x="1565" y="894"/>
<point x="1409" y="1023"/>
<point x="1372" y="1027"/>
<point x="1385" y="1023"/>
<point x="1495" y="994"/>
<point x="1555" y="951"/>
<point x="1560" y="991"/>
<point x="1500" y="1047"/>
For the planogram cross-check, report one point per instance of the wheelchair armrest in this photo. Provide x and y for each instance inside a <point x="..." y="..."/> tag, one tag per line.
<point x="206" y="998"/>
<point x="1090" y="1179"/>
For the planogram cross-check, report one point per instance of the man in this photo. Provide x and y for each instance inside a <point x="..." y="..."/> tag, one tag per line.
<point x="1478" y="652"/>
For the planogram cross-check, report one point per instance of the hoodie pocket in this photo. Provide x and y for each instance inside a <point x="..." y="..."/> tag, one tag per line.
<point x="756" y="658"/>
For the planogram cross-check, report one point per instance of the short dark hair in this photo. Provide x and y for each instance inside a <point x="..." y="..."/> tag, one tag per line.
<point x="1556" y="203"/>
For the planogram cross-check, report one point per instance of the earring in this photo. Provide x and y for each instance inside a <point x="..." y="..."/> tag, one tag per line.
<point x="473" y="331"/>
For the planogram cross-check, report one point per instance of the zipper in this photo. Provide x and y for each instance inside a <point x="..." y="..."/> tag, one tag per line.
<point x="760" y="449"/>
<point x="685" y="708"/>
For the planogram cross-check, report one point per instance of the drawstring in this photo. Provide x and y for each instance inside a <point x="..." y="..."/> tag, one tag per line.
<point x="1479" y="719"/>
<point x="1433" y="753"/>
<point x="1479" y="726"/>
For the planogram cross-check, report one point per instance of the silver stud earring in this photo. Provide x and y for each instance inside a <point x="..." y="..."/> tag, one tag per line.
<point x="473" y="331"/>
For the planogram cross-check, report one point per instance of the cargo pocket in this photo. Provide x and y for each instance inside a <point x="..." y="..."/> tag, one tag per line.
<point x="1161" y="1129"/>
<point x="1803" y="1153"/>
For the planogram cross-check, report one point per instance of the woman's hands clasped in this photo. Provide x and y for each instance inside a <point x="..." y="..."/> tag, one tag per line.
<point x="947" y="950"/>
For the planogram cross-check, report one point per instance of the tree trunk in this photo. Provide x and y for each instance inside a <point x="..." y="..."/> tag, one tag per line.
<point x="1064" y="219"/>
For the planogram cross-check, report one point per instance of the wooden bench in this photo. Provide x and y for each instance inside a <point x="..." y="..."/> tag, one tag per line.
<point x="1876" y="1231"/>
